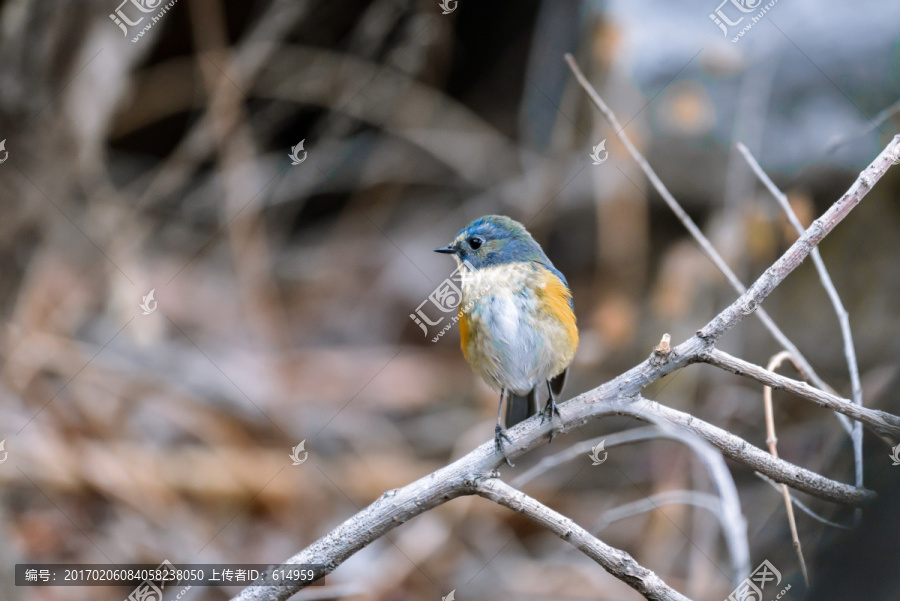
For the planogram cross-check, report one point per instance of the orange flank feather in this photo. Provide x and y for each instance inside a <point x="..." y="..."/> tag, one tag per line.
<point x="463" y="333"/>
<point x="555" y="297"/>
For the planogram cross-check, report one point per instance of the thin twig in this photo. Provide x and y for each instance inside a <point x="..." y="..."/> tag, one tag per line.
<point x="583" y="448"/>
<point x="842" y="315"/>
<point x="617" y="562"/>
<point x="800" y="505"/>
<point x="734" y="529"/>
<point x="774" y="363"/>
<point x="734" y="525"/>
<point x="881" y="422"/>
<point x="697" y="498"/>
<point x="874" y="123"/>
<point x="691" y="227"/>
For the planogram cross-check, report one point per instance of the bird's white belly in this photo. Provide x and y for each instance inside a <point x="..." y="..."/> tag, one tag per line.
<point x="504" y="343"/>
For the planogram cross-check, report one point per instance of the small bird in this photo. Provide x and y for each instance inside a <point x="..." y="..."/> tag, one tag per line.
<point x="516" y="317"/>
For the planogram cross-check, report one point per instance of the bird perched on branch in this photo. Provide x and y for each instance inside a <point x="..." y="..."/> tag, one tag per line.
<point x="516" y="319"/>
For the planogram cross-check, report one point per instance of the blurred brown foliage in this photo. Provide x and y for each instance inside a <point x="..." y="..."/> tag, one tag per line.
<point x="284" y="292"/>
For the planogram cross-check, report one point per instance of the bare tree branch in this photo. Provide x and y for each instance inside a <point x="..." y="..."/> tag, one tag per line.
<point x="874" y="123"/>
<point x="821" y="227"/>
<point x="742" y="451"/>
<point x="584" y="448"/>
<point x="705" y="245"/>
<point x="618" y="396"/>
<point x="734" y="527"/>
<point x="772" y="440"/>
<point x="884" y="424"/>
<point x="842" y="315"/>
<point x="398" y="506"/>
<point x="800" y="505"/>
<point x="618" y="563"/>
<point x="696" y="498"/>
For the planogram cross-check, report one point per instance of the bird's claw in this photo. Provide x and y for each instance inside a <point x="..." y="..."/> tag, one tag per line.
<point x="549" y="411"/>
<point x="499" y="437"/>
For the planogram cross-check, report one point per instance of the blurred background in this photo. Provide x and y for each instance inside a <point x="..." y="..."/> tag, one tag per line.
<point x="153" y="155"/>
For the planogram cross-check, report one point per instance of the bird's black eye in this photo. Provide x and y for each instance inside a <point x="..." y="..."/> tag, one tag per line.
<point x="475" y="242"/>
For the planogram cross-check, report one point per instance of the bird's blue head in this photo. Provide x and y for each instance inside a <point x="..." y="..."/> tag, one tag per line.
<point x="494" y="240"/>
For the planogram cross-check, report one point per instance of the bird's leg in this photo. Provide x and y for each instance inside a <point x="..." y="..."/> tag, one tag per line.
<point x="499" y="432"/>
<point x="550" y="409"/>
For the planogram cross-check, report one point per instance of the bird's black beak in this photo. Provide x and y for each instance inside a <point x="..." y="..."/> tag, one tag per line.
<point x="447" y="250"/>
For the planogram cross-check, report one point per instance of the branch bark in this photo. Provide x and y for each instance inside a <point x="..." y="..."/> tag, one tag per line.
<point x="740" y="450"/>
<point x="882" y="423"/>
<point x="615" y="561"/>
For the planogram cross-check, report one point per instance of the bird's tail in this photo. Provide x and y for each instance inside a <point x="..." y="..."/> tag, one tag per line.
<point x="520" y="408"/>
